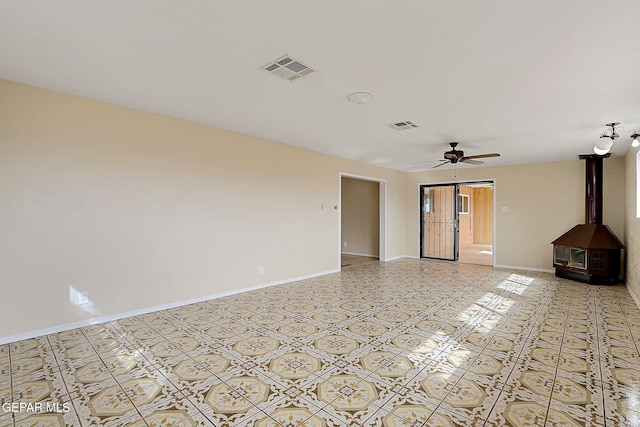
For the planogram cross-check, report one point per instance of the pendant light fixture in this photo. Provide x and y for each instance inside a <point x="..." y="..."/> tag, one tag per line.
<point x="603" y="146"/>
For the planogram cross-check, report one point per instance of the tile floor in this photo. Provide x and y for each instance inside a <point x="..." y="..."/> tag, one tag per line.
<point x="476" y="254"/>
<point x="405" y="343"/>
<point x="348" y="261"/>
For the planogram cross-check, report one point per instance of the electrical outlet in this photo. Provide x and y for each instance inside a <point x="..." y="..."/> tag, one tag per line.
<point x="345" y="244"/>
<point x="261" y="270"/>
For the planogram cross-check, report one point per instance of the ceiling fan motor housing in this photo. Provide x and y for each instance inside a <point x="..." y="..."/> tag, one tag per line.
<point x="454" y="155"/>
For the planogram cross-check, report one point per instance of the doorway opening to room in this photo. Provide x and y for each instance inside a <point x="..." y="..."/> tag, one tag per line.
<point x="361" y="220"/>
<point x="457" y="222"/>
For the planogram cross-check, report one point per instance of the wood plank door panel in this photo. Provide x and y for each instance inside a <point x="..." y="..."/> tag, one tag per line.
<point x="439" y="222"/>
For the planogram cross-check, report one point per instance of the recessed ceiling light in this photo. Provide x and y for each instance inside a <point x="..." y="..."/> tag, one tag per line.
<point x="360" y="97"/>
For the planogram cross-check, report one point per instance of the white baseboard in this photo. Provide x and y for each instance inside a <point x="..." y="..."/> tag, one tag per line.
<point x="517" y="267"/>
<point x="103" y="319"/>
<point x="635" y="298"/>
<point x="355" y="254"/>
<point x="394" y="258"/>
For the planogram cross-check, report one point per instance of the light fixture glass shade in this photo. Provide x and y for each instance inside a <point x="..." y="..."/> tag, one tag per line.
<point x="635" y="142"/>
<point x="603" y="146"/>
<point x="599" y="151"/>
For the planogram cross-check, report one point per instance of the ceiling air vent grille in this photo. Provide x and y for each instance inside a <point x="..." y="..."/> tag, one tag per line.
<point x="403" y="125"/>
<point x="288" y="68"/>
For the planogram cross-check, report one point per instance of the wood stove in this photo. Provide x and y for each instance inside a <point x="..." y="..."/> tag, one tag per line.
<point x="590" y="252"/>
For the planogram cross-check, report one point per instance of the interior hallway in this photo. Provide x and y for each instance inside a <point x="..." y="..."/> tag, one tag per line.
<point x="389" y="344"/>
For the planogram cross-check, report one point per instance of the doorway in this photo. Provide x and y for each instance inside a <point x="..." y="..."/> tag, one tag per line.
<point x="457" y="222"/>
<point x="361" y="220"/>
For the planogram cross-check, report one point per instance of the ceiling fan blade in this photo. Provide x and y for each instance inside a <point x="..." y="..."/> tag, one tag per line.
<point x="471" y="162"/>
<point x="443" y="163"/>
<point x="480" y="156"/>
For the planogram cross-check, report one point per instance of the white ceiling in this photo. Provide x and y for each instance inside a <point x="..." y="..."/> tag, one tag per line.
<point x="533" y="80"/>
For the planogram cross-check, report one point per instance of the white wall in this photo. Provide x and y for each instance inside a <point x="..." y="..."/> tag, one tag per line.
<point x="141" y="210"/>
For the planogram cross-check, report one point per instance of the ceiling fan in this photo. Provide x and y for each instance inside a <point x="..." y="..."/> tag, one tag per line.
<point x="455" y="156"/>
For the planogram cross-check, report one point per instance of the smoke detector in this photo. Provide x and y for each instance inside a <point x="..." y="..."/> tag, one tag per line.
<point x="403" y="125"/>
<point x="360" y="97"/>
<point x="288" y="68"/>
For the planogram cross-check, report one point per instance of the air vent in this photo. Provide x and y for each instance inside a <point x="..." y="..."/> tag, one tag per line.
<point x="403" y="125"/>
<point x="288" y="68"/>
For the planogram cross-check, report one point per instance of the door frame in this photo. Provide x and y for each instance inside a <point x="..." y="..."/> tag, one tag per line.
<point x="382" y="209"/>
<point x="492" y="181"/>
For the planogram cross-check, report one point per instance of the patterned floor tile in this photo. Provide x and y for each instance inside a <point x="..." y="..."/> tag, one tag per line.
<point x="48" y="419"/>
<point x="6" y="419"/>
<point x="623" y="411"/>
<point x="172" y="412"/>
<point x="402" y="411"/>
<point x="292" y="416"/>
<point x="408" y="342"/>
<point x="444" y="418"/>
<point x="105" y="405"/>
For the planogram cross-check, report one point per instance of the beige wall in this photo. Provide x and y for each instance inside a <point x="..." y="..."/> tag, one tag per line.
<point x="543" y="201"/>
<point x="632" y="223"/>
<point x="141" y="210"/>
<point x="360" y="217"/>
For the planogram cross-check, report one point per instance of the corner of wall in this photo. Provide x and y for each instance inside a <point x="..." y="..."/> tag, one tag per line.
<point x="636" y="299"/>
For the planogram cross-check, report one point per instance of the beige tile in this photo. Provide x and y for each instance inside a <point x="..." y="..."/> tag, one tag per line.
<point x="408" y="342"/>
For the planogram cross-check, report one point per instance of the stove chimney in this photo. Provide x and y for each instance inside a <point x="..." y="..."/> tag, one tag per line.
<point x="593" y="189"/>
